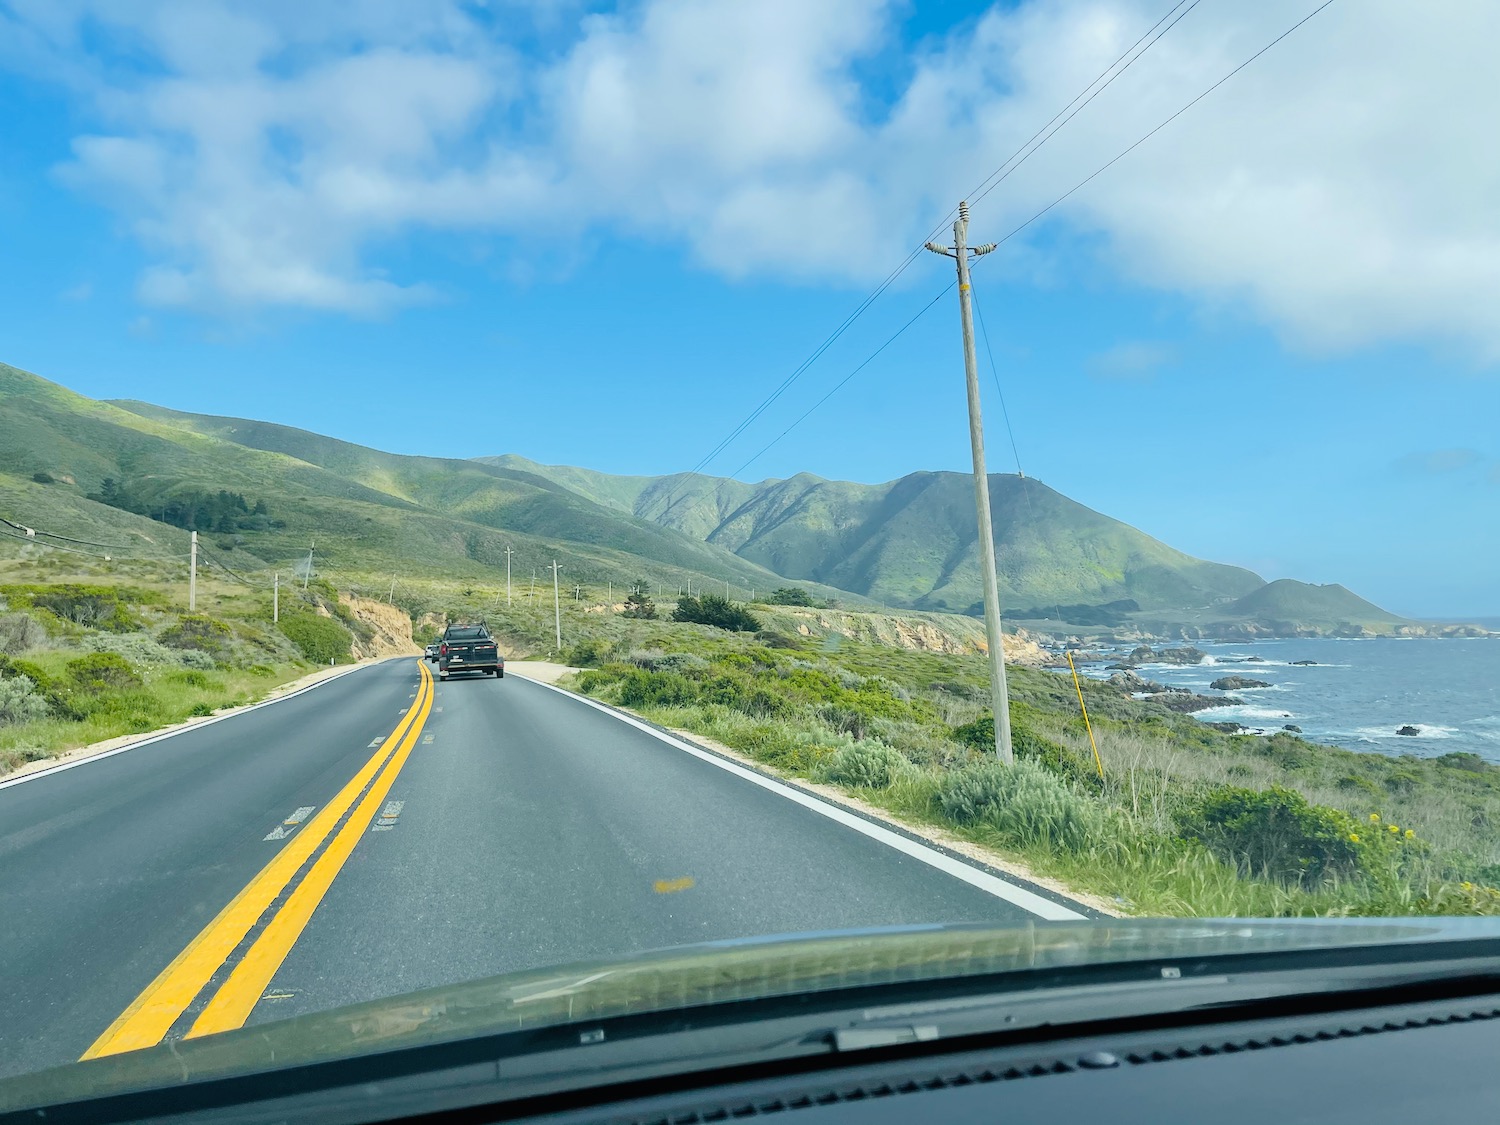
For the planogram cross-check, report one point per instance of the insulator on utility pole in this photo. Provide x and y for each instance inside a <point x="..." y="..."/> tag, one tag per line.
<point x="999" y="697"/>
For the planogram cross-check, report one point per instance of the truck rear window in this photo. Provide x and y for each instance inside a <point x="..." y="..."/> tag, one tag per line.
<point x="467" y="635"/>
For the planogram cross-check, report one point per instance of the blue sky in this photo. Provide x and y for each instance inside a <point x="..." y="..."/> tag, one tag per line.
<point x="601" y="236"/>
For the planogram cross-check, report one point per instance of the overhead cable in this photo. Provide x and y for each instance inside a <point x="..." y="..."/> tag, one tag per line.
<point x="1086" y="95"/>
<point x="1042" y="212"/>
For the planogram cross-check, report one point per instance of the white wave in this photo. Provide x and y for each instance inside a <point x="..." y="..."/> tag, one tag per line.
<point x="1234" y="712"/>
<point x="1424" y="730"/>
<point x="1486" y="727"/>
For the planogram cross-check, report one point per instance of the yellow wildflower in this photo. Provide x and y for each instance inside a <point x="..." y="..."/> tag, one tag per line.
<point x="1374" y="818"/>
<point x="1394" y="828"/>
<point x="1410" y="835"/>
<point x="1354" y="837"/>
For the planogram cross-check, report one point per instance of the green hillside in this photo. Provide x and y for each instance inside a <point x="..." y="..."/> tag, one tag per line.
<point x="913" y="541"/>
<point x="368" y="511"/>
<point x="1289" y="600"/>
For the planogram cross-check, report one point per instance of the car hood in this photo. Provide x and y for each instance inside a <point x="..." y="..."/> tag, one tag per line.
<point x="711" y="973"/>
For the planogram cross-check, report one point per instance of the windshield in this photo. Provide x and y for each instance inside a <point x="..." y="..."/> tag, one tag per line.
<point x="1016" y="467"/>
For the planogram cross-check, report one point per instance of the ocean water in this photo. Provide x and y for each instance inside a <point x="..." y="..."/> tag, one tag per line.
<point x="1359" y="691"/>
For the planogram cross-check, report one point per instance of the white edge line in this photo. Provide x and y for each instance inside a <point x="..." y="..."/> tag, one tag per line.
<point x="50" y="770"/>
<point x="983" y="880"/>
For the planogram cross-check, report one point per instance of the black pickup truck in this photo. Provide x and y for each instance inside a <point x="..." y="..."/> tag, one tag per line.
<point x="469" y="648"/>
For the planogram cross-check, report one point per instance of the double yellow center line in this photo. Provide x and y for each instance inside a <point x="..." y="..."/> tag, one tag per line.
<point x="156" y="1010"/>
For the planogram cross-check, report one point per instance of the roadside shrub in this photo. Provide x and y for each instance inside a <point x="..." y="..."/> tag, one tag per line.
<point x="98" y="607"/>
<point x="1024" y="803"/>
<point x="20" y="702"/>
<point x="656" y="689"/>
<point x="20" y="632"/>
<point x="137" y="648"/>
<point x="193" y="658"/>
<point x="43" y="477"/>
<point x="979" y="735"/>
<point x="197" y="632"/>
<point x="866" y="765"/>
<point x="588" y="653"/>
<point x="1276" y="833"/>
<point x="773" y="638"/>
<point x="321" y="639"/>
<point x="711" y="609"/>
<point x="103" y="671"/>
<point x="654" y="660"/>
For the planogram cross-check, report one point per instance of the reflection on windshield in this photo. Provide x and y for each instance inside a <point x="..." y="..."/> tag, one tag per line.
<point x="608" y="569"/>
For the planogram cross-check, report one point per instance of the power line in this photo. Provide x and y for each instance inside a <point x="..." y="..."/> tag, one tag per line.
<point x="839" y="385"/>
<point x="1104" y="168"/>
<point x="995" y="374"/>
<point x="1054" y="203"/>
<point x="984" y="188"/>
<point x="68" y="539"/>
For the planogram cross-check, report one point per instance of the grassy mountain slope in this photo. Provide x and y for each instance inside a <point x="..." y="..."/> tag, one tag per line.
<point x="1290" y="600"/>
<point x="367" y="510"/>
<point x="913" y="541"/>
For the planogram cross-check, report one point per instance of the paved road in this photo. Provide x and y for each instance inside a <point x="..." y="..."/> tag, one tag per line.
<point x="447" y="832"/>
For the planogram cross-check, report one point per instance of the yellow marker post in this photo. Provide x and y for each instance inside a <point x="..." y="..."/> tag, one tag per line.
<point x="1082" y="706"/>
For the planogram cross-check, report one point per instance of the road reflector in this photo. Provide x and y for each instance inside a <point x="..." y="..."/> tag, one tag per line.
<point x="672" y="886"/>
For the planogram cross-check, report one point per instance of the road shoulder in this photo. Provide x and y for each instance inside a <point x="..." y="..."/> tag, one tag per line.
<point x="931" y="836"/>
<point x="127" y="741"/>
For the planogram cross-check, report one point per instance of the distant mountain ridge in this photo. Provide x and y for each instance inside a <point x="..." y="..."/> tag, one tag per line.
<point x="913" y="541"/>
<point x="909" y="543"/>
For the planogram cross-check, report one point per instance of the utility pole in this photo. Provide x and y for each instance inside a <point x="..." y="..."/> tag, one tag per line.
<point x="556" y="608"/>
<point x="999" y="697"/>
<point x="532" y="596"/>
<point x="276" y="597"/>
<point x="193" y="573"/>
<point x="391" y="598"/>
<point x="507" y="577"/>
<point x="577" y="593"/>
<point x="610" y="600"/>
<point x="311" y="548"/>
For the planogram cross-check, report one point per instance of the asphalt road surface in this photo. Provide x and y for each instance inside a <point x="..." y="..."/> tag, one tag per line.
<point x="382" y="832"/>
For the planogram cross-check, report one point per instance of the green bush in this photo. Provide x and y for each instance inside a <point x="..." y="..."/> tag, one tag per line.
<point x="588" y="653"/>
<point x="1024" y="803"/>
<point x="98" y="607"/>
<point x="103" y="671"/>
<point x="789" y="595"/>
<point x="20" y="702"/>
<point x="866" y="765"/>
<point x="711" y="609"/>
<point x="656" y="689"/>
<point x="20" y="632"/>
<point x="199" y="633"/>
<point x="321" y="639"/>
<point x="979" y="735"/>
<point x="1277" y="834"/>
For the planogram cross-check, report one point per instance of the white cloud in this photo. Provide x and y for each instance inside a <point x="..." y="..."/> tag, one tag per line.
<point x="1132" y="359"/>
<point x="1341" y="188"/>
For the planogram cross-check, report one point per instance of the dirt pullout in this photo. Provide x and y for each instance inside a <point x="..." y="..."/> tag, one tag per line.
<point x="542" y="670"/>
<point x="390" y="628"/>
